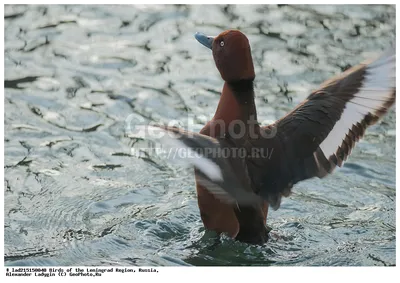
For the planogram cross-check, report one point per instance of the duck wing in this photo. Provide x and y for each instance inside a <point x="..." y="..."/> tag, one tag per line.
<point x="223" y="174"/>
<point x="320" y="133"/>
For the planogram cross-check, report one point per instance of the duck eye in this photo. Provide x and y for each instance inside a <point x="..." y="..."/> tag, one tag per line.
<point x="222" y="43"/>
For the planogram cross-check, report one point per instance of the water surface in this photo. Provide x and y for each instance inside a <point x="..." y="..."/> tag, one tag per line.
<point x="76" y="195"/>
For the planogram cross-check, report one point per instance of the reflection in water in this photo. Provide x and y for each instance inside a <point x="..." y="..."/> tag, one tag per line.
<point x="75" y="192"/>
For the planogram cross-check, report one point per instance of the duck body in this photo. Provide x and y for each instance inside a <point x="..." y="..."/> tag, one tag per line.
<point x="245" y="223"/>
<point x="235" y="190"/>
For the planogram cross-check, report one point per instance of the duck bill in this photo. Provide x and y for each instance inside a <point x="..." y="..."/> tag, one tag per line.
<point x="207" y="41"/>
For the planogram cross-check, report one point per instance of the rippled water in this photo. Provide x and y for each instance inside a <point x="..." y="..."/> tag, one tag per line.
<point x="74" y="193"/>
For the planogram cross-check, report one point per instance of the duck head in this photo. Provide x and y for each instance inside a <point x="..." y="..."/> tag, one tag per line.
<point x="232" y="55"/>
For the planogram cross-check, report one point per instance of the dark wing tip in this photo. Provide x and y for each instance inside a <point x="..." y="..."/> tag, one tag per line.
<point x="321" y="132"/>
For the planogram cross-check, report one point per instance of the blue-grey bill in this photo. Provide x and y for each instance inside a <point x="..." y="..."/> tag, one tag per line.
<point x="207" y="41"/>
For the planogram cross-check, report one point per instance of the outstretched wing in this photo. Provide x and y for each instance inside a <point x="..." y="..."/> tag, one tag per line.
<point x="216" y="169"/>
<point x="320" y="133"/>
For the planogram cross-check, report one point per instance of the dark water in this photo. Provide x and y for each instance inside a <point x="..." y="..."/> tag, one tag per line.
<point x="76" y="195"/>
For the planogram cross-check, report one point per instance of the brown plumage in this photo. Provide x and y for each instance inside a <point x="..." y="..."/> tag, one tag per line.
<point x="310" y="141"/>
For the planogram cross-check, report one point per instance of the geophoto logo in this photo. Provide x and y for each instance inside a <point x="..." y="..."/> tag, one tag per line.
<point x="161" y="142"/>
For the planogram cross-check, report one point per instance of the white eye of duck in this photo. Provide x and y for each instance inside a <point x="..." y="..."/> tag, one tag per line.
<point x="222" y="43"/>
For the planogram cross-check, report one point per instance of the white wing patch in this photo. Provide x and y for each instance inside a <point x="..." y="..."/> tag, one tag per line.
<point x="171" y="143"/>
<point x="376" y="90"/>
<point x="205" y="165"/>
<point x="216" y="190"/>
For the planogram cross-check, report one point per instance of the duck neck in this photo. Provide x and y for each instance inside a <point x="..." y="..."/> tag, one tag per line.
<point x="237" y="103"/>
